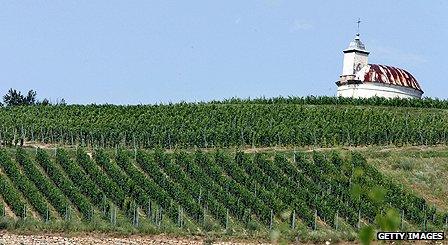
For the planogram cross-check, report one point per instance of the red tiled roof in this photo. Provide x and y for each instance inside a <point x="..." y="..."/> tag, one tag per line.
<point x="388" y="75"/>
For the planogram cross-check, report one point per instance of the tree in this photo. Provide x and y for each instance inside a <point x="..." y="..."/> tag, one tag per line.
<point x="45" y="102"/>
<point x="30" y="99"/>
<point x="61" y="102"/>
<point x="15" y="98"/>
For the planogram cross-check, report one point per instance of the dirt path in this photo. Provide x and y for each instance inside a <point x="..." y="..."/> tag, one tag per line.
<point x="9" y="238"/>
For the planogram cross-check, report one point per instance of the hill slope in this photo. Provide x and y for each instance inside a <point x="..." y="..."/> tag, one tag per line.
<point x="233" y="123"/>
<point x="266" y="189"/>
<point x="215" y="192"/>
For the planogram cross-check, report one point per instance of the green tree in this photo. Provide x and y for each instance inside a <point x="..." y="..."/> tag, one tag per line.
<point x="15" y="98"/>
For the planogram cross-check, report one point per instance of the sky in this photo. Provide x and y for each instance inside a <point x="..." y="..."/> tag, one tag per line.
<point x="151" y="51"/>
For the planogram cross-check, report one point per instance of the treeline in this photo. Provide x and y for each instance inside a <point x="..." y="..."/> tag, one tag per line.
<point x="15" y="98"/>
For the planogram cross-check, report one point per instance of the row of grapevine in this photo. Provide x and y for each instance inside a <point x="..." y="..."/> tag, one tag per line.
<point x="29" y="190"/>
<point x="53" y="194"/>
<point x="289" y="192"/>
<point x="71" y="190"/>
<point x="151" y="167"/>
<point x="203" y="197"/>
<point x="326" y="100"/>
<point x="258" y="187"/>
<point x="110" y="188"/>
<point x="11" y="196"/>
<point x="250" y="179"/>
<point x="224" y="124"/>
<point x="125" y="182"/>
<point x="156" y="193"/>
<point x="79" y="177"/>
<point x="246" y="197"/>
<point x="334" y="190"/>
<point x="208" y="184"/>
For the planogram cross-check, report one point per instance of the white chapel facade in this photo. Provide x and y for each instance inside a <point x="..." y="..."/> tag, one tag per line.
<point x="360" y="79"/>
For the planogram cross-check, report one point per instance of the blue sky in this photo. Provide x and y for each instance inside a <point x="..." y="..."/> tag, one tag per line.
<point x="130" y="52"/>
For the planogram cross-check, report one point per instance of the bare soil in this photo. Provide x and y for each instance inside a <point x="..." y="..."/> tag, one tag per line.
<point x="7" y="238"/>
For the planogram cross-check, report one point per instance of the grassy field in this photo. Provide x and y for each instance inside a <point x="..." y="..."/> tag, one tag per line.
<point x="421" y="169"/>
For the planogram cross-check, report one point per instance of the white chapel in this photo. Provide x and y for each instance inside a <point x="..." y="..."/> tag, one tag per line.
<point x="360" y="79"/>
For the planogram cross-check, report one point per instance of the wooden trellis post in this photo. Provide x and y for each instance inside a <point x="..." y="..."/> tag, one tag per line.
<point x="359" y="219"/>
<point x="179" y="217"/>
<point x="203" y="215"/>
<point x="67" y="213"/>
<point x="148" y="210"/>
<point x="155" y="215"/>
<point x="160" y="216"/>
<point x="227" y="219"/>
<point x="113" y="214"/>
<point x="104" y="204"/>
<point x="24" y="212"/>
<point x="293" y="220"/>
<point x="294" y="156"/>
<point x="135" y="220"/>
<point x="47" y="215"/>
<point x="336" y="220"/>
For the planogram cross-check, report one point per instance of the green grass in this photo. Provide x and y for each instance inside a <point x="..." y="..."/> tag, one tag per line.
<point x="425" y="171"/>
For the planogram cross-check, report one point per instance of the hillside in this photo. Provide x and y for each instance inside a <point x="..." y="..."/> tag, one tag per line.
<point x="285" y="168"/>
<point x="295" y="194"/>
<point x="424" y="170"/>
<point x="318" y="122"/>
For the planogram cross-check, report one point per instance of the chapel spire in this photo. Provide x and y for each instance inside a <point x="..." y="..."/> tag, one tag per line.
<point x="357" y="32"/>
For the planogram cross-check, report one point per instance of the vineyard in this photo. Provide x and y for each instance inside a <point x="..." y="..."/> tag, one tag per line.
<point x="247" y="123"/>
<point x="216" y="191"/>
<point x="176" y="168"/>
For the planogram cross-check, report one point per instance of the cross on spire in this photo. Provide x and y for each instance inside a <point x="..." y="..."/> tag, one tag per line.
<point x="358" y="22"/>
